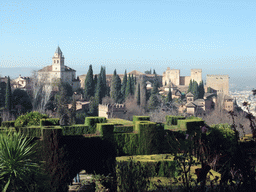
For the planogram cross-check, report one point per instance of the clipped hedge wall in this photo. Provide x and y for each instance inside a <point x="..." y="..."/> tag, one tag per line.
<point x="8" y="123"/>
<point x="105" y="129"/>
<point x="92" y="121"/>
<point x="78" y="129"/>
<point x="140" y="118"/>
<point x="33" y="131"/>
<point x="49" y="122"/>
<point x="126" y="143"/>
<point x="123" y="129"/>
<point x="157" y="168"/>
<point x="190" y="124"/>
<point x="172" y="120"/>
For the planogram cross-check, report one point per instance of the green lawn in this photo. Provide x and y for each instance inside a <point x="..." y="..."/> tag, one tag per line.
<point x="117" y="121"/>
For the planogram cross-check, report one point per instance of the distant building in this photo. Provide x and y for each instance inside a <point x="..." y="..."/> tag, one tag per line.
<point x="172" y="77"/>
<point x="23" y="83"/>
<point x="58" y="71"/>
<point x="217" y="84"/>
<point x="111" y="110"/>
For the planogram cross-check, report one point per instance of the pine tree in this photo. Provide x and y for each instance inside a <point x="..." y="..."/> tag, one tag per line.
<point x="201" y="90"/>
<point x="138" y="94"/>
<point x="128" y="87"/>
<point x="89" y="84"/>
<point x="123" y="89"/>
<point x="115" y="89"/>
<point x="8" y="95"/>
<point x="169" y="96"/>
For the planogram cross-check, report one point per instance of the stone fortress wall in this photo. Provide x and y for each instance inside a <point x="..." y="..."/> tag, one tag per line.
<point x="218" y="83"/>
<point x="172" y="77"/>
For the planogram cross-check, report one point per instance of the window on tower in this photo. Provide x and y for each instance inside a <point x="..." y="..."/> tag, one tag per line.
<point x="54" y="61"/>
<point x="57" y="61"/>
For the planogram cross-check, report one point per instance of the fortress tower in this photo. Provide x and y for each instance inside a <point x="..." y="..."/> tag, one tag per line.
<point x="196" y="74"/>
<point x="218" y="83"/>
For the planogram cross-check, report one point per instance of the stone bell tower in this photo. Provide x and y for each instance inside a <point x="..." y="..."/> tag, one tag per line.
<point x="58" y="61"/>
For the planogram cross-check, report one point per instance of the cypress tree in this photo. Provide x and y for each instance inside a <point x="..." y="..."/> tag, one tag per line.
<point x="104" y="81"/>
<point x="62" y="105"/>
<point x="115" y="89"/>
<point x="89" y="84"/>
<point x="143" y="92"/>
<point x="195" y="89"/>
<point x="123" y="89"/>
<point x="128" y="87"/>
<point x="73" y="112"/>
<point x="190" y="86"/>
<point x="99" y="91"/>
<point x="169" y="96"/>
<point x="8" y="95"/>
<point x="201" y="90"/>
<point x="95" y="80"/>
<point x="138" y="94"/>
<point x="132" y="85"/>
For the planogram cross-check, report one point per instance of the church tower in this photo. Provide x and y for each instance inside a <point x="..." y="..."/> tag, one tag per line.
<point x="58" y="61"/>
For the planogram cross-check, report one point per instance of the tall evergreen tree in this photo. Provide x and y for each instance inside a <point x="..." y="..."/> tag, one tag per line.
<point x="115" y="89"/>
<point x="132" y="85"/>
<point x="89" y="84"/>
<point x="143" y="92"/>
<point x="95" y="80"/>
<point x="128" y="87"/>
<point x="190" y="86"/>
<point x="155" y="85"/>
<point x="8" y="95"/>
<point x="73" y="112"/>
<point x="169" y="96"/>
<point x="138" y="94"/>
<point x="99" y="91"/>
<point x="62" y="105"/>
<point x="195" y="89"/>
<point x="201" y="90"/>
<point x="104" y="81"/>
<point x="123" y="89"/>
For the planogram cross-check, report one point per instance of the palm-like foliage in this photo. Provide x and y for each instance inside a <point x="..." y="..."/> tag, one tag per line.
<point x="17" y="170"/>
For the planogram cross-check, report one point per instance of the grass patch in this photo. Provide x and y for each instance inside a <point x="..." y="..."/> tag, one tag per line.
<point x="117" y="121"/>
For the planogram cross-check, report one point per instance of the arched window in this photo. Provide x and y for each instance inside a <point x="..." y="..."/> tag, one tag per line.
<point x="57" y="61"/>
<point x="54" y="61"/>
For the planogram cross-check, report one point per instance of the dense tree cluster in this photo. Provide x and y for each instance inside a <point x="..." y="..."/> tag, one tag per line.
<point x="196" y="90"/>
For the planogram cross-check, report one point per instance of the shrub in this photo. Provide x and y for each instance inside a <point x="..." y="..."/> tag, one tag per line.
<point x="49" y="121"/>
<point x="92" y="122"/>
<point x="8" y="123"/>
<point x="105" y="129"/>
<point x="29" y="119"/>
<point x="140" y="118"/>
<point x="173" y="120"/>
<point x="132" y="176"/>
<point x="123" y="129"/>
<point x="77" y="130"/>
<point x="30" y="131"/>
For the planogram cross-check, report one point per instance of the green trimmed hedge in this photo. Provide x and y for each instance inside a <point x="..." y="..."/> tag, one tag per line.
<point x="33" y="131"/>
<point x="105" y="129"/>
<point x="126" y="143"/>
<point x="190" y="124"/>
<point x="78" y="129"/>
<point x="123" y="129"/>
<point x="140" y="118"/>
<point x="8" y="123"/>
<point x="92" y="122"/>
<point x="49" y="122"/>
<point x="172" y="120"/>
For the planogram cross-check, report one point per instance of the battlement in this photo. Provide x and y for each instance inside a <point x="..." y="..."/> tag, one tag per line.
<point x="218" y="76"/>
<point x="108" y="110"/>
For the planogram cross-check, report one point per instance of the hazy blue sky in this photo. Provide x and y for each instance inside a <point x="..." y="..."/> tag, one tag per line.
<point x="218" y="36"/>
